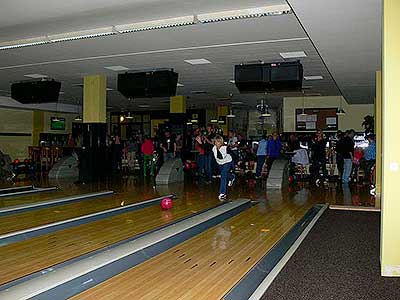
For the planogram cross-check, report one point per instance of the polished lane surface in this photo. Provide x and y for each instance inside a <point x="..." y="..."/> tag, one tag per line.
<point x="26" y="257"/>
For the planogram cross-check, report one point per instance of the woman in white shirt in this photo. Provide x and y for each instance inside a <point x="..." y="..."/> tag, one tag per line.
<point x="226" y="166"/>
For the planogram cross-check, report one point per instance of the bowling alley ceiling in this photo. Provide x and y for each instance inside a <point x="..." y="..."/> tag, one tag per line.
<point x="350" y="48"/>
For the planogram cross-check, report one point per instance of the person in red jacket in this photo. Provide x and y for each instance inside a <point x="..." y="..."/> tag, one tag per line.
<point x="148" y="150"/>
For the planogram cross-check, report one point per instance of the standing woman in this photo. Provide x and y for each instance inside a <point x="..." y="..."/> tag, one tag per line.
<point x="225" y="164"/>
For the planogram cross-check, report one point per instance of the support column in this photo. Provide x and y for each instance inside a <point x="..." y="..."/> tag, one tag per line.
<point x="378" y="131"/>
<point x="390" y="237"/>
<point x="38" y="126"/>
<point x="93" y="161"/>
<point x="177" y="112"/>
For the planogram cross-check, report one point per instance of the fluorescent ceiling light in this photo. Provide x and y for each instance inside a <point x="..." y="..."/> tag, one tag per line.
<point x="213" y="121"/>
<point x="143" y="105"/>
<point x="180" y="84"/>
<point x="78" y="118"/>
<point x="117" y="68"/>
<point x="189" y="123"/>
<point x="156" y="24"/>
<point x="236" y="102"/>
<point x="198" y="61"/>
<point x="231" y="116"/>
<point x="82" y="34"/>
<point x="199" y="92"/>
<point x="109" y="89"/>
<point x="35" y="76"/>
<point x="244" y="13"/>
<point x="295" y="54"/>
<point x="232" y="81"/>
<point x="129" y="117"/>
<point x="316" y="77"/>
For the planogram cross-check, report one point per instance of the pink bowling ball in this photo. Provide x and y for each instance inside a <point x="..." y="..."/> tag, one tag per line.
<point x="166" y="203"/>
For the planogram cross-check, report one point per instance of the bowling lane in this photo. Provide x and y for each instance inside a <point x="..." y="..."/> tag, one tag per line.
<point x="26" y="257"/>
<point x="56" y="213"/>
<point x="208" y="265"/>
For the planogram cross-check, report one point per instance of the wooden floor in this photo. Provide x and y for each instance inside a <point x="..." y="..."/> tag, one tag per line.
<point x="204" y="267"/>
<point x="52" y="214"/>
<point x="25" y="257"/>
<point x="208" y="265"/>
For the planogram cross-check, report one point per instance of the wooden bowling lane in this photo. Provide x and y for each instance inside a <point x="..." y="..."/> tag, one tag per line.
<point x="26" y="257"/>
<point x="208" y="265"/>
<point x="61" y="212"/>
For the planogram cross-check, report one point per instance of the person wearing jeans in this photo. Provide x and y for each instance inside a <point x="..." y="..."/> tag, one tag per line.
<point x="348" y="154"/>
<point x="261" y="155"/>
<point x="226" y="166"/>
<point x="148" y="150"/>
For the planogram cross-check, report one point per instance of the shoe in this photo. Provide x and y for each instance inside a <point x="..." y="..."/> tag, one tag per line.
<point x="230" y="182"/>
<point x="222" y="197"/>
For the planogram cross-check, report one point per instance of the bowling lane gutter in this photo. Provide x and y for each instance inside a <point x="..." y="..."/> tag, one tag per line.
<point x="21" y="235"/>
<point x="76" y="277"/>
<point x="15" y="188"/>
<point x="10" y="210"/>
<point x="254" y="284"/>
<point x="32" y="191"/>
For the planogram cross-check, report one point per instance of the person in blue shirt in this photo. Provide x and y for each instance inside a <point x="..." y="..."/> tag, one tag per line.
<point x="261" y="155"/>
<point x="369" y="157"/>
<point x="274" y="148"/>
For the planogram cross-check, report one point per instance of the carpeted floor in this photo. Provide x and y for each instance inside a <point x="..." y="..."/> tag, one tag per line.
<point x="339" y="259"/>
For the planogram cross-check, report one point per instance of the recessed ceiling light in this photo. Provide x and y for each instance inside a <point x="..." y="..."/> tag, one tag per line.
<point x="198" y="61"/>
<point x="35" y="75"/>
<point x="232" y="81"/>
<point x="294" y="54"/>
<point x="316" y="77"/>
<point x="199" y="92"/>
<point x="236" y="102"/>
<point x="117" y="68"/>
<point x="180" y="84"/>
<point x="143" y="106"/>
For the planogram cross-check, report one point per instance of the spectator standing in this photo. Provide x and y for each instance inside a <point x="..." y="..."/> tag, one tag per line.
<point x="348" y="155"/>
<point x="261" y="155"/>
<point x="274" y="148"/>
<point x="148" y="150"/>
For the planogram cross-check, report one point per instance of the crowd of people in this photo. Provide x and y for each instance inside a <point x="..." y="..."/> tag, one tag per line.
<point x="216" y="155"/>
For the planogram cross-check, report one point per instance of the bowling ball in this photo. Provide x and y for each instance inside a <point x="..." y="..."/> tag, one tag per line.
<point x="194" y="165"/>
<point x="294" y="178"/>
<point x="291" y="179"/>
<point x="188" y="166"/>
<point x="166" y="203"/>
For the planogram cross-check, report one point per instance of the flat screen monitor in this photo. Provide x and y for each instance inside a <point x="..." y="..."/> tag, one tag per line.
<point x="57" y="123"/>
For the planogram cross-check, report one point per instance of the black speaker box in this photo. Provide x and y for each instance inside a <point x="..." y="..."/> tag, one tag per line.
<point x="28" y="92"/>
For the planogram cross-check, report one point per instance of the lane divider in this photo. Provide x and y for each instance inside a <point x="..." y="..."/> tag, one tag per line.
<point x="9" y="210"/>
<point x="30" y="191"/>
<point x="17" y="236"/>
<point x="76" y="277"/>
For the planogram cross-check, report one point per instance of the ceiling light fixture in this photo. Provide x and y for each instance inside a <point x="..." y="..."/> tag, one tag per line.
<point x="156" y="24"/>
<point x="236" y="102"/>
<point x="295" y="54"/>
<point x="78" y="118"/>
<point x="180" y="84"/>
<point x="198" y="61"/>
<point x="117" y="68"/>
<point x="232" y="81"/>
<point x="231" y="114"/>
<point x="272" y="10"/>
<point x="82" y="34"/>
<point x="256" y="12"/>
<point x="35" y="76"/>
<point x="313" y="77"/>
<point x="340" y="111"/>
<point x="129" y="117"/>
<point x="213" y="121"/>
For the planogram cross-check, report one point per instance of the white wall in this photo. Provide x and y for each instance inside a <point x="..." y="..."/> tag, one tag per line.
<point x="353" y="118"/>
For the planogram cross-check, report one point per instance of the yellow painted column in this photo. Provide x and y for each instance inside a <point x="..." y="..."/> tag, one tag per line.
<point x="378" y="131"/>
<point x="223" y="112"/>
<point x="37" y="126"/>
<point x="94" y="99"/>
<point x="177" y="105"/>
<point x="390" y="225"/>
